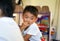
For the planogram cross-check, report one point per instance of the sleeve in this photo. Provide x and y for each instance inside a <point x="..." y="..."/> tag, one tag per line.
<point x="32" y="30"/>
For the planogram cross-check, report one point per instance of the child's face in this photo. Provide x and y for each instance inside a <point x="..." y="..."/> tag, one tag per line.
<point x="30" y="18"/>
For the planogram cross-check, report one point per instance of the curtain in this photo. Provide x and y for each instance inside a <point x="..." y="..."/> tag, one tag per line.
<point x="56" y="19"/>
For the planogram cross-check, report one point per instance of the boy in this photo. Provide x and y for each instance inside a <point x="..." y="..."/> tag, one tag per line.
<point x="31" y="31"/>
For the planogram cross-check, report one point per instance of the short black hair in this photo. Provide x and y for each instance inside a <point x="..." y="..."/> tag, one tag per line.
<point x="32" y="9"/>
<point x="7" y="7"/>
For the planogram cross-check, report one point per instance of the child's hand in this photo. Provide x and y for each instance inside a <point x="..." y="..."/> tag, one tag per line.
<point x="24" y="25"/>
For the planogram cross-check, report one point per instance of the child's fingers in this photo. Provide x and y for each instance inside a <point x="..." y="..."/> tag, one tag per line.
<point x="25" y="24"/>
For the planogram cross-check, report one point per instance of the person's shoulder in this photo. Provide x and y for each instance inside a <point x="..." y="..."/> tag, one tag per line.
<point x="5" y="19"/>
<point x="33" y="26"/>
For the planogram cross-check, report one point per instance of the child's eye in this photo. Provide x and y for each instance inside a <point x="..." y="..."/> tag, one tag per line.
<point x="26" y="17"/>
<point x="31" y="18"/>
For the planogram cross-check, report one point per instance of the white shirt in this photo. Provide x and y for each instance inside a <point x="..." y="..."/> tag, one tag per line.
<point x="9" y="30"/>
<point x="34" y="31"/>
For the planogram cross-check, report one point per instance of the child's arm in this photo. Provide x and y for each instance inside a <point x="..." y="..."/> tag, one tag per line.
<point x="26" y="37"/>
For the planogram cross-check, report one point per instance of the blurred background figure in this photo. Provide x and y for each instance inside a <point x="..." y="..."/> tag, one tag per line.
<point x="9" y="30"/>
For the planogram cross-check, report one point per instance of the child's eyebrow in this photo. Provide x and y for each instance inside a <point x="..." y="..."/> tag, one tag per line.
<point x="32" y="16"/>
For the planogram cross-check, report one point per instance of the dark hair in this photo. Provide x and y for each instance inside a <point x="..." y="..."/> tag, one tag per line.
<point x="19" y="2"/>
<point x="32" y="9"/>
<point x="7" y="7"/>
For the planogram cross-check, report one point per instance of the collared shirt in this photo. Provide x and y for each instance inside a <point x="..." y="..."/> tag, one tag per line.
<point x="34" y="31"/>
